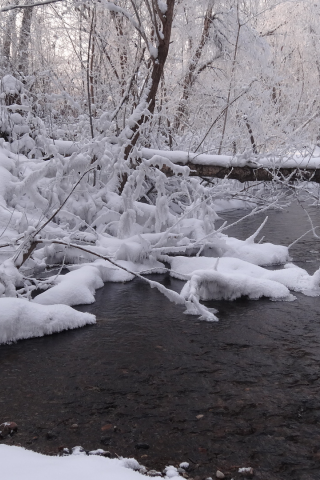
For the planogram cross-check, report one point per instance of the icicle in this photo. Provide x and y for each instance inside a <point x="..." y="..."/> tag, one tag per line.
<point x="252" y="238"/>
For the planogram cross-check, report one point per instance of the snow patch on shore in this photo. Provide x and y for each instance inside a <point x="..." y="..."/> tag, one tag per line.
<point x="20" y="319"/>
<point x="18" y="463"/>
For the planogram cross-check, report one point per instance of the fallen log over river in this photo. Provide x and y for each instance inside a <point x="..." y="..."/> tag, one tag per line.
<point x="241" y="167"/>
<point x="251" y="174"/>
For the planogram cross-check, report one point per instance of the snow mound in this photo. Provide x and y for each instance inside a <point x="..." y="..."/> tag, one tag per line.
<point x="18" y="463"/>
<point x="257" y="253"/>
<point x="74" y="288"/>
<point x="79" y="285"/>
<point x="231" y="278"/>
<point x="20" y="319"/>
<point x="212" y="285"/>
<point x="291" y="276"/>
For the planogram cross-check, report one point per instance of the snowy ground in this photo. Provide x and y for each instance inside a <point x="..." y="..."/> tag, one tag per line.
<point x="18" y="463"/>
<point x="21" y="319"/>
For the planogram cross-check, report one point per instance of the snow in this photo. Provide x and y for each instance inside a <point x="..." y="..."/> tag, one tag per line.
<point x="20" y="319"/>
<point x="294" y="278"/>
<point x="162" y="6"/>
<point x="295" y="160"/>
<point x="230" y="278"/>
<point x="213" y="285"/>
<point x="74" y="288"/>
<point x="10" y="85"/>
<point x="171" y="472"/>
<point x="153" y="51"/>
<point x="18" y="463"/>
<point x="257" y="253"/>
<point x="79" y="285"/>
<point x="246" y="470"/>
<point x="5" y="178"/>
<point x="196" y="158"/>
<point x="66" y="147"/>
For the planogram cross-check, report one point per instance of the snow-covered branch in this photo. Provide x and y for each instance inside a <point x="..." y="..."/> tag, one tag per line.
<point x="28" y="5"/>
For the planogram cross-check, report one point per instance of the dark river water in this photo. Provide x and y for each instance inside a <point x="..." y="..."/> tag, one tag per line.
<point x="243" y="392"/>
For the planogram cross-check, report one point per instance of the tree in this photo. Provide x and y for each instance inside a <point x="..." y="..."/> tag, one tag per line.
<point x="193" y="68"/>
<point x="24" y="39"/>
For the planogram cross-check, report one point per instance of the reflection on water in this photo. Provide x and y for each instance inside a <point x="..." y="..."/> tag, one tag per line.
<point x="241" y="392"/>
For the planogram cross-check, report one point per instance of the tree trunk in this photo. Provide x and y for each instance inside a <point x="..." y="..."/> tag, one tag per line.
<point x="10" y="25"/>
<point x="24" y="39"/>
<point x="190" y="76"/>
<point x="158" y="65"/>
<point x="252" y="140"/>
<point x="122" y="49"/>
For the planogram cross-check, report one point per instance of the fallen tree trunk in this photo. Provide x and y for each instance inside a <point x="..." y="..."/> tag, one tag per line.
<point x="251" y="174"/>
<point x="243" y="169"/>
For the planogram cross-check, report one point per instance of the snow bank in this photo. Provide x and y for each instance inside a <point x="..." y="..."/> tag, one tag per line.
<point x="22" y="319"/>
<point x="18" y="463"/>
<point x="257" y="253"/>
<point x="293" y="277"/>
<point x="212" y="285"/>
<point x="79" y="285"/>
<point x="74" y="288"/>
<point x="230" y="278"/>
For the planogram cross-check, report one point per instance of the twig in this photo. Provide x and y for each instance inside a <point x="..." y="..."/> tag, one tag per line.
<point x="38" y="4"/>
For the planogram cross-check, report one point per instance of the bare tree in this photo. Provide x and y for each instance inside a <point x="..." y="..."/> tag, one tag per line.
<point x="161" y="20"/>
<point x="193" y="69"/>
<point x="10" y="25"/>
<point x="24" y="39"/>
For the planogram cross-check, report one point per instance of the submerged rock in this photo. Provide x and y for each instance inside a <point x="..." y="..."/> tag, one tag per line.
<point x="246" y="472"/>
<point x="219" y="474"/>
<point x="52" y="435"/>
<point x="8" y="428"/>
<point x="105" y="440"/>
<point x="142" y="446"/>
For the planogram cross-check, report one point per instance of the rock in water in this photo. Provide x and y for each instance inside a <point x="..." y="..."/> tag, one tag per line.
<point x="246" y="472"/>
<point x="7" y="428"/>
<point x="219" y="474"/>
<point x="142" y="446"/>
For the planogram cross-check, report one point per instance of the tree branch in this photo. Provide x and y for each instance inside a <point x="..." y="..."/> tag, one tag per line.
<point x="38" y="4"/>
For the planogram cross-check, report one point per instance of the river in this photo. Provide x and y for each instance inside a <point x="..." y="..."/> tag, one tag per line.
<point x="150" y="382"/>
